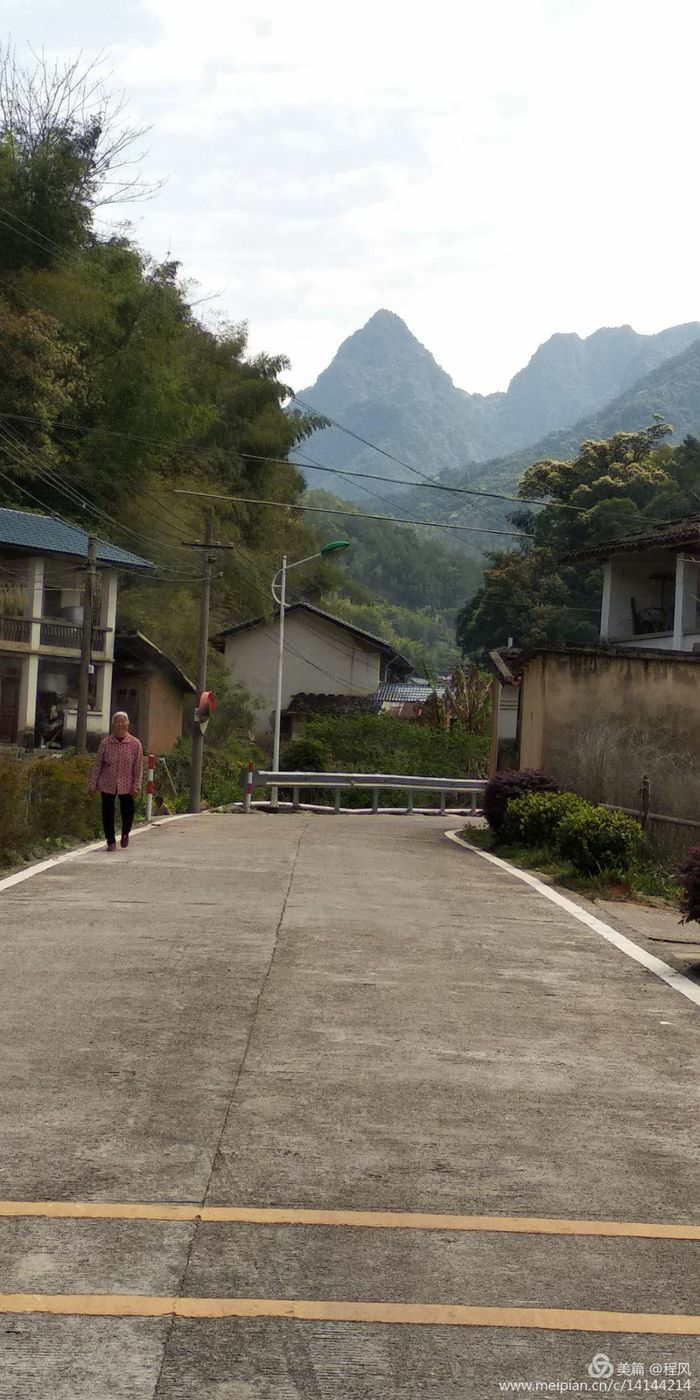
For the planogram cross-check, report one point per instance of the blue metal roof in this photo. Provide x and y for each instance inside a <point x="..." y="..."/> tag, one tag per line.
<point x="46" y="534"/>
<point x="407" y="692"/>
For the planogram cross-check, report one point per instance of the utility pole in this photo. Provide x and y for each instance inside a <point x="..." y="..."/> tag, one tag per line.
<point x="86" y="647"/>
<point x="280" y="665"/>
<point x="198" y="736"/>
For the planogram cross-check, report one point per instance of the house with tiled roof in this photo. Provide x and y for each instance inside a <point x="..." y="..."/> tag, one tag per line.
<point x="42" y="580"/>
<point x="651" y="586"/>
<point x="323" y="655"/>
<point x="617" y="719"/>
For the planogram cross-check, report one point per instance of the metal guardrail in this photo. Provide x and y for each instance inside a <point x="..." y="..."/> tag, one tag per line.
<point x="253" y="777"/>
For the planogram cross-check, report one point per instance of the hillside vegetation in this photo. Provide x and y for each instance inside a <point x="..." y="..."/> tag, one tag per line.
<point x="114" y="394"/>
<point x="535" y="593"/>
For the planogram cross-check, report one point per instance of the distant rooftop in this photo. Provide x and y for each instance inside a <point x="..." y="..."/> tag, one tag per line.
<point x="133" y="648"/>
<point x="668" y="534"/>
<point x="307" y="703"/>
<point x="399" y="661"/>
<point x="407" y="692"/>
<point x="31" y="533"/>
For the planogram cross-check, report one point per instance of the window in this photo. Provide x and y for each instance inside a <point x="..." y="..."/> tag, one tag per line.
<point x="52" y="602"/>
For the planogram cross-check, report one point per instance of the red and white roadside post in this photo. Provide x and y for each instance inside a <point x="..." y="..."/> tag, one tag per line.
<point x="248" y="798"/>
<point x="149" y="786"/>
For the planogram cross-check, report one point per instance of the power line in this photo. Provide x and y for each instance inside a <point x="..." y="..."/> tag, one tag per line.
<point x="404" y="520"/>
<point x="355" y="514"/>
<point x="358" y="438"/>
<point x="430" y="482"/>
<point x="367" y="489"/>
<point x="41" y="246"/>
<point x="339" y="680"/>
<point x="376" y="495"/>
<point x="394" y="481"/>
<point x="74" y="494"/>
<point x="50" y="243"/>
<point x="344" y="473"/>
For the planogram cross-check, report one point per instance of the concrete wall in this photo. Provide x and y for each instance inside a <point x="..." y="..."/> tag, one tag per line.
<point x="318" y="657"/>
<point x="599" y="723"/>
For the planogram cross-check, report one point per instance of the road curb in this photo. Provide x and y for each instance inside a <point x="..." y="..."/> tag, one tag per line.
<point x="65" y="856"/>
<point x="677" y="980"/>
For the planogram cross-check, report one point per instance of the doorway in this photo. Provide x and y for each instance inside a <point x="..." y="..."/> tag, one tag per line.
<point x="128" y="698"/>
<point x="9" y="708"/>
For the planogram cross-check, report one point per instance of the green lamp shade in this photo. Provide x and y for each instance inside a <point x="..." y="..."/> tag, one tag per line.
<point x="334" y="545"/>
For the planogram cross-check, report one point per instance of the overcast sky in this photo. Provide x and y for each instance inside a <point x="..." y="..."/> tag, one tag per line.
<point x="493" y="172"/>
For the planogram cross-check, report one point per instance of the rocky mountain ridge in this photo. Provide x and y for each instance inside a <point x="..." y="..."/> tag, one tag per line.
<point x="388" y="388"/>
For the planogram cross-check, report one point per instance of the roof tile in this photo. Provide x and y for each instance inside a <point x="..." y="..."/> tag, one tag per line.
<point x="46" y="534"/>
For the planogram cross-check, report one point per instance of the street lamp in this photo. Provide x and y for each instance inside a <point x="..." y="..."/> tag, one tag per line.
<point x="332" y="547"/>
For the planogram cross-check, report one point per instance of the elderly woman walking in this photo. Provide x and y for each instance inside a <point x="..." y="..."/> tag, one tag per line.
<point x="117" y="773"/>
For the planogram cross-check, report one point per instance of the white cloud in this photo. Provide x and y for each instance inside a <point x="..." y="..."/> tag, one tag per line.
<point x="493" y="173"/>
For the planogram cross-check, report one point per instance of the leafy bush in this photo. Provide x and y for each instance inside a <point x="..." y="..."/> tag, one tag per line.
<point x="221" y="772"/>
<point x="689" y="876"/>
<point x="386" y="744"/>
<point x="305" y="755"/>
<point x="594" y="838"/>
<point x="511" y="784"/>
<point x="13" y="804"/>
<point x="45" y="799"/>
<point x="59" y="801"/>
<point x="534" y="818"/>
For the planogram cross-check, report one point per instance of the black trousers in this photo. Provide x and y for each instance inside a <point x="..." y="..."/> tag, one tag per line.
<point x="126" y="807"/>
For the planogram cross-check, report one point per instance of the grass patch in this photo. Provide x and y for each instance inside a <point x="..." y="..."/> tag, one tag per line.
<point x="647" y="879"/>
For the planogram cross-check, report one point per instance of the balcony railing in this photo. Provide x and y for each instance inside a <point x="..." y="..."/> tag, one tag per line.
<point x="66" y="635"/>
<point x="15" y="629"/>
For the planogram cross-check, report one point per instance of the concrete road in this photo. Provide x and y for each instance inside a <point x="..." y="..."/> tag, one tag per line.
<point x="333" y="1013"/>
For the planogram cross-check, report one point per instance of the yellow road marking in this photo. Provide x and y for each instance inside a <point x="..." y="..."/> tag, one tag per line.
<point x="362" y="1219"/>
<point x="303" y="1310"/>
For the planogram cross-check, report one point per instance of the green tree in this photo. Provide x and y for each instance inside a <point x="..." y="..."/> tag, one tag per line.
<point x="610" y="488"/>
<point x="64" y="149"/>
<point x="113" y="392"/>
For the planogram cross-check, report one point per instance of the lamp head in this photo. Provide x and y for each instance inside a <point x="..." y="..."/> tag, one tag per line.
<point x="333" y="546"/>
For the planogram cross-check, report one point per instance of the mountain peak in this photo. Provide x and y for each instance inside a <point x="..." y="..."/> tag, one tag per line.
<point x="389" y="318"/>
<point x="386" y="325"/>
<point x="383" y="350"/>
<point x="387" y="388"/>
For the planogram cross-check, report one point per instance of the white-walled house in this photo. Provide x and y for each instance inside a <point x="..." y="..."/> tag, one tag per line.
<point x="322" y="655"/>
<point x="42" y="574"/>
<point x="651" y="586"/>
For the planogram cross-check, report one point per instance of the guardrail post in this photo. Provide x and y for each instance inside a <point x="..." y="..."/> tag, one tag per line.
<point x="442" y="802"/>
<point x="409" y="804"/>
<point x="149" y="787"/>
<point x="295" y="799"/>
<point x="248" y="795"/>
<point x="337" y="800"/>
<point x="472" y="803"/>
<point x="375" y="799"/>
